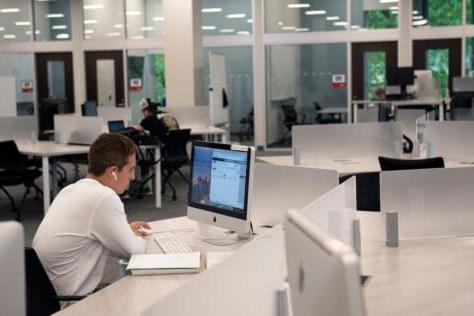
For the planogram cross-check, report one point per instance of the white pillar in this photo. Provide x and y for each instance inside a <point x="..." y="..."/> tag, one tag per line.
<point x="183" y="52"/>
<point x="259" y="77"/>
<point x="404" y="43"/>
<point x="79" y="68"/>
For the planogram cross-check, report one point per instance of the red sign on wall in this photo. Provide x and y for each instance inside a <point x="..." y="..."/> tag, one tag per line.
<point x="136" y="84"/>
<point x="27" y="86"/>
<point x="338" y="81"/>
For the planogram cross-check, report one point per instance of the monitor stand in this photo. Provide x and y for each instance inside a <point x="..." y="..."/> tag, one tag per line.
<point x="231" y="238"/>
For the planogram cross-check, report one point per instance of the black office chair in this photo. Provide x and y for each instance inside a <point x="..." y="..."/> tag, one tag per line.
<point x="41" y="297"/>
<point x="246" y="126"/>
<point x="322" y="118"/>
<point x="291" y="118"/>
<point x="391" y="164"/>
<point x="16" y="169"/>
<point x="173" y="157"/>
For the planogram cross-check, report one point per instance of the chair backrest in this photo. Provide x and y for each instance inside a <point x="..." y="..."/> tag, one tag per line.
<point x="390" y="164"/>
<point x="174" y="145"/>
<point x="289" y="113"/>
<point x="10" y="154"/>
<point x="39" y="289"/>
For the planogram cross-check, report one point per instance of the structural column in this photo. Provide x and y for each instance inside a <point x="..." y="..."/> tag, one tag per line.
<point x="183" y="52"/>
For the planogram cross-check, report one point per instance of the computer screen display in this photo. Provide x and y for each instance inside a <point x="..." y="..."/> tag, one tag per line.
<point x="220" y="179"/>
<point x="89" y="109"/>
<point x="401" y="76"/>
<point x="115" y="126"/>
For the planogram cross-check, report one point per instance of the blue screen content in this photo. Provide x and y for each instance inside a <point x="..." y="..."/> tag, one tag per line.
<point x="219" y="178"/>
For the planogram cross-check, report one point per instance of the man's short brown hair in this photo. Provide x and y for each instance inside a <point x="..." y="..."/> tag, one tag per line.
<point x="110" y="150"/>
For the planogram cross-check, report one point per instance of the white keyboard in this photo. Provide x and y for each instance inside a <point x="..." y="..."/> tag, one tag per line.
<point x="171" y="243"/>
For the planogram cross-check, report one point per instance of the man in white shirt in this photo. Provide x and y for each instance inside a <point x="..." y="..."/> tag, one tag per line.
<point x="87" y="220"/>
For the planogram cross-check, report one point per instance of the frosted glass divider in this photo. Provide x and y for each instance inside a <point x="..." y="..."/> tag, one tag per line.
<point x="429" y="202"/>
<point x="347" y="141"/>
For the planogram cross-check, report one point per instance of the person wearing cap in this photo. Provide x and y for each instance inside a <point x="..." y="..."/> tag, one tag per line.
<point x="151" y="123"/>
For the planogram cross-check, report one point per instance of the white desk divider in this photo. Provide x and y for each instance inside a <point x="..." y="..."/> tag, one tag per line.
<point x="20" y="128"/>
<point x="335" y="212"/>
<point x="261" y="266"/>
<point x="450" y="139"/>
<point x="347" y="141"/>
<point x="429" y="202"/>
<point x="113" y="113"/>
<point x="280" y="188"/>
<point x="73" y="129"/>
<point x="189" y="116"/>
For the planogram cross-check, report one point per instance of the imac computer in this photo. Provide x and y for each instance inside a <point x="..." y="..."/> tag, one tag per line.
<point x="221" y="186"/>
<point x="323" y="272"/>
<point x="12" y="264"/>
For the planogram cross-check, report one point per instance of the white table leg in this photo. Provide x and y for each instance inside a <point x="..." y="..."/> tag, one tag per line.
<point x="46" y="194"/>
<point x="224" y="137"/>
<point x="441" y="112"/>
<point x="157" y="178"/>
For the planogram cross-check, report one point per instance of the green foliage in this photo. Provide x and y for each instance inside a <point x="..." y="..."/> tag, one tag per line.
<point x="375" y="73"/>
<point x="437" y="60"/>
<point x="159" y="72"/>
<point x="381" y="19"/>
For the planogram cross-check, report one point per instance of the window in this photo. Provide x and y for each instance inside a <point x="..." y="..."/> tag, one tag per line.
<point x="52" y="20"/>
<point x="469" y="56"/>
<point x="19" y="67"/>
<point x="15" y="20"/>
<point x="226" y="17"/>
<point x="288" y="16"/>
<point x="436" y="12"/>
<point x="104" y="19"/>
<point x="374" y="15"/>
<point x="308" y="78"/>
<point x="146" y="79"/>
<point x="144" y="18"/>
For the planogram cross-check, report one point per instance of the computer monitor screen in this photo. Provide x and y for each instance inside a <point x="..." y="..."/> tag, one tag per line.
<point x="221" y="178"/>
<point x="323" y="272"/>
<point x="115" y="126"/>
<point x="401" y="75"/>
<point x="89" y="109"/>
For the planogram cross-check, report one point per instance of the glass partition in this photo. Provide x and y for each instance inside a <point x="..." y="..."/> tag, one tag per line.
<point x="52" y="20"/>
<point x="306" y="84"/>
<point x="144" y="18"/>
<point x="374" y="15"/>
<point x="15" y="20"/>
<point x="19" y="66"/>
<point x="146" y="79"/>
<point x="104" y="19"/>
<point x="226" y="17"/>
<point x="239" y="77"/>
<point x="289" y="16"/>
<point x="436" y="13"/>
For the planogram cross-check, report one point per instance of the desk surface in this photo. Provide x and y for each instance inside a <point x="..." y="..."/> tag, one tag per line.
<point x="132" y="294"/>
<point x="204" y="130"/>
<point x="50" y="149"/>
<point x="408" y="102"/>
<point x="421" y="277"/>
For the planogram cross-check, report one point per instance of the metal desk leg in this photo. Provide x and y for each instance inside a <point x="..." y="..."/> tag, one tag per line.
<point x="54" y="178"/>
<point x="224" y="137"/>
<point x="46" y="193"/>
<point x="441" y="112"/>
<point x="157" y="178"/>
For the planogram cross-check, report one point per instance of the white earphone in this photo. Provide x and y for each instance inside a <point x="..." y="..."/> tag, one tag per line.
<point x="115" y="176"/>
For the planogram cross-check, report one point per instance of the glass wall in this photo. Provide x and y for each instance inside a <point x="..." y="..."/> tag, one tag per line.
<point x="469" y="56"/>
<point x="437" y="12"/>
<point x="52" y="20"/>
<point x="15" y="20"/>
<point x="146" y="79"/>
<point x="302" y="79"/>
<point x="104" y="19"/>
<point x="289" y="16"/>
<point x="144" y="18"/>
<point x="239" y="77"/>
<point x="374" y="15"/>
<point x="19" y="66"/>
<point x="226" y="17"/>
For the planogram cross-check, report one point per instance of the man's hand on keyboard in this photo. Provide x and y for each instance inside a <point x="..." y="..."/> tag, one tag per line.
<point x="140" y="228"/>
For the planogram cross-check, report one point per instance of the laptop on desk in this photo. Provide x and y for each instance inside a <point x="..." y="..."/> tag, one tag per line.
<point x="115" y="126"/>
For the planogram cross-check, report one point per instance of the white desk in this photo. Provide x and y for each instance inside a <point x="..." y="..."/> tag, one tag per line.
<point x="421" y="277"/>
<point x="207" y="132"/>
<point x="132" y="294"/>
<point x="394" y="104"/>
<point x="47" y="150"/>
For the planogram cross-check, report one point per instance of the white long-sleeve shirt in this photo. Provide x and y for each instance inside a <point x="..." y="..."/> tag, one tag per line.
<point x="85" y="222"/>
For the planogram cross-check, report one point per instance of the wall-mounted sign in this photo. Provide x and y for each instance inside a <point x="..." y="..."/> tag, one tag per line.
<point x="338" y="81"/>
<point x="27" y="86"/>
<point x="136" y="84"/>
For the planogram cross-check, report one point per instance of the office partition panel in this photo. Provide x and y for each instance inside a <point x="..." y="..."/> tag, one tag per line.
<point x="451" y="139"/>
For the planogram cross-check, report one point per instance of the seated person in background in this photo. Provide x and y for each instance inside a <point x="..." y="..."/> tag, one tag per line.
<point x="151" y="123"/>
<point x="87" y="220"/>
